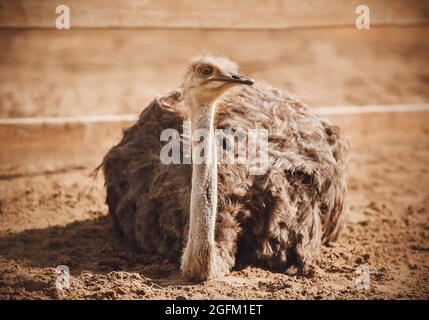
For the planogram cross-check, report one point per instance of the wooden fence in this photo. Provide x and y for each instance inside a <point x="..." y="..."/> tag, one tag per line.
<point x="220" y="14"/>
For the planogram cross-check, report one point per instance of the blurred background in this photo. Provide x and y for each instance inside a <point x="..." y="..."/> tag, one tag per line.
<point x="119" y="54"/>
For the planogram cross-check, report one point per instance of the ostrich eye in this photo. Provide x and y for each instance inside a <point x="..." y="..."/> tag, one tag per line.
<point x="205" y="70"/>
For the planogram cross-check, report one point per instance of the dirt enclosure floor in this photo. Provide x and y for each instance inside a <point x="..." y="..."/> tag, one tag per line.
<point x="59" y="217"/>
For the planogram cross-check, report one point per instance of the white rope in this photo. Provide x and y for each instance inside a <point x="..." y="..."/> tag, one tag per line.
<point x="389" y="108"/>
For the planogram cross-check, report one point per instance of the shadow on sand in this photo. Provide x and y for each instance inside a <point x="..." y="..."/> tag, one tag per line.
<point x="89" y="245"/>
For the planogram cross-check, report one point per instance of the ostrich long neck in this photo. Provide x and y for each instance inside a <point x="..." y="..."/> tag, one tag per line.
<point x="204" y="183"/>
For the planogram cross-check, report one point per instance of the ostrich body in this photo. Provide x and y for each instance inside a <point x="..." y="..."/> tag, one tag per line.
<point x="214" y="216"/>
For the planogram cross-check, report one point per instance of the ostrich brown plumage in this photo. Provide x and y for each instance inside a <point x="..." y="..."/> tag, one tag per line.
<point x="278" y="219"/>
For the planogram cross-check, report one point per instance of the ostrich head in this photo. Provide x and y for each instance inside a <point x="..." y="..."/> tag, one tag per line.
<point x="208" y="77"/>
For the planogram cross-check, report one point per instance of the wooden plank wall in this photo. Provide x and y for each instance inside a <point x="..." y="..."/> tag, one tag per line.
<point x="77" y="72"/>
<point x="220" y="14"/>
<point x="119" y="54"/>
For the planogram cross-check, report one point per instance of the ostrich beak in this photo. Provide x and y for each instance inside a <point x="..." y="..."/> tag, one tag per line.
<point x="234" y="78"/>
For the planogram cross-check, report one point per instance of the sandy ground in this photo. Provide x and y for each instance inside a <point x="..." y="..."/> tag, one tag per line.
<point x="53" y="218"/>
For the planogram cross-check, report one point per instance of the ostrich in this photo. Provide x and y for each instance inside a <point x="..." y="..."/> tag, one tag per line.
<point x="212" y="217"/>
